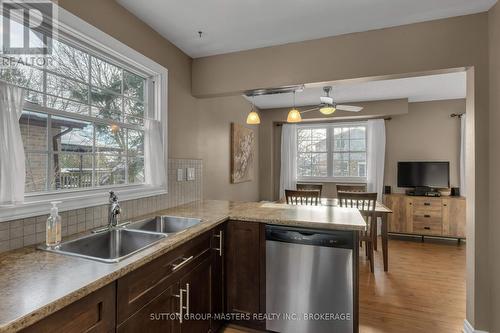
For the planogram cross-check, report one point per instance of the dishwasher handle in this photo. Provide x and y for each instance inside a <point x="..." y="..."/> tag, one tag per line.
<point x="290" y="235"/>
<point x="338" y="238"/>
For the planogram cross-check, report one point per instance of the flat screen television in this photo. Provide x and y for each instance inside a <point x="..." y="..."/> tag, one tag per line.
<point x="424" y="174"/>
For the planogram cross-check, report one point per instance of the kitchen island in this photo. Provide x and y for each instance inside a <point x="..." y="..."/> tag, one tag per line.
<point x="37" y="285"/>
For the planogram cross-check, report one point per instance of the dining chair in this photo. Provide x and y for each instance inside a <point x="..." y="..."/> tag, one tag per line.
<point x="365" y="202"/>
<point x="310" y="197"/>
<point x="351" y="188"/>
<point x="309" y="187"/>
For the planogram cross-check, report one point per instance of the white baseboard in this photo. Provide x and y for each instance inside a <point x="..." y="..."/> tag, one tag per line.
<point x="469" y="329"/>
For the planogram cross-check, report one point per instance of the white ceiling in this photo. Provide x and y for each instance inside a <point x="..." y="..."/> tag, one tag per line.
<point x="232" y="25"/>
<point x="416" y="89"/>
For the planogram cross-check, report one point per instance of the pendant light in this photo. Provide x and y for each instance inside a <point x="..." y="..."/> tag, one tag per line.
<point x="253" y="117"/>
<point x="294" y="114"/>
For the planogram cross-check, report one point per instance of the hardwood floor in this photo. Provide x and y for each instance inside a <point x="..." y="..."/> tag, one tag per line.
<point x="424" y="290"/>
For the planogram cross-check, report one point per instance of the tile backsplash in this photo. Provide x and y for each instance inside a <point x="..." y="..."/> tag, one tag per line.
<point x="23" y="232"/>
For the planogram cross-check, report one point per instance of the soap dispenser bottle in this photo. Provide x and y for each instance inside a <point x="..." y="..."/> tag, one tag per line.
<point x="53" y="226"/>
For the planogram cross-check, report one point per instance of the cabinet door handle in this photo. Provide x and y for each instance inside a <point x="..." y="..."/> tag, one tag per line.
<point x="427" y="215"/>
<point x="427" y="203"/>
<point x="181" y="264"/>
<point x="181" y="304"/>
<point x="187" y="298"/>
<point x="220" y="236"/>
<point x="427" y="228"/>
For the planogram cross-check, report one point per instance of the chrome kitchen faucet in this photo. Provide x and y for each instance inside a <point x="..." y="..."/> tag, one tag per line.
<point x="113" y="210"/>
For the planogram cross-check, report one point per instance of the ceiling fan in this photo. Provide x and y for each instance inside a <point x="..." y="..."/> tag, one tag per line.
<point x="329" y="106"/>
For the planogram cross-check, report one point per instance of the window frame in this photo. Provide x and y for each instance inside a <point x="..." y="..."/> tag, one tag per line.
<point x="101" y="45"/>
<point x="330" y="178"/>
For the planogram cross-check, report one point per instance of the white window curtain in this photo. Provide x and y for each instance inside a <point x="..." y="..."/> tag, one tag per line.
<point x="288" y="173"/>
<point x="12" y="169"/>
<point x="154" y="156"/>
<point x="375" y="156"/>
<point x="462" y="155"/>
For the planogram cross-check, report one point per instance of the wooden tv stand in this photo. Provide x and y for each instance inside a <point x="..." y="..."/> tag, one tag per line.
<point x="426" y="216"/>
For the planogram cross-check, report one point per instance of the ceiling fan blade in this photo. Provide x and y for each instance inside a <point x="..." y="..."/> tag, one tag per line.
<point x="350" y="108"/>
<point x="309" y="110"/>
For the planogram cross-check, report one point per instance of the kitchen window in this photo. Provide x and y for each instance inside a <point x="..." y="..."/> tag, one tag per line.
<point x="331" y="152"/>
<point x="84" y="119"/>
<point x="83" y="124"/>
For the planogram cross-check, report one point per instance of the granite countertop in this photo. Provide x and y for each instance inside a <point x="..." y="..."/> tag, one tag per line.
<point x="35" y="284"/>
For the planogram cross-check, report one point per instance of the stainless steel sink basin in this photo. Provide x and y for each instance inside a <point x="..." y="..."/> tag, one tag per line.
<point x="108" y="246"/>
<point x="165" y="224"/>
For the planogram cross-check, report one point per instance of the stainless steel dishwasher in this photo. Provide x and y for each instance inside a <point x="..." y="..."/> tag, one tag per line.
<point x="309" y="280"/>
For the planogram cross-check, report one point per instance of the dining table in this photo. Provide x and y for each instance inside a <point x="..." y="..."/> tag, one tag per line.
<point x="381" y="213"/>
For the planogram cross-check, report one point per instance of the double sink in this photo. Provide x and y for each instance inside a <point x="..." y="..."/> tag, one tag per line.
<point x="114" y="245"/>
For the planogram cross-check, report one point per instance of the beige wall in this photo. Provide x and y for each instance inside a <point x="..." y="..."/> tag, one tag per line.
<point x="216" y="116"/>
<point x="422" y="47"/>
<point x="426" y="133"/>
<point x="411" y="48"/>
<point x="494" y="268"/>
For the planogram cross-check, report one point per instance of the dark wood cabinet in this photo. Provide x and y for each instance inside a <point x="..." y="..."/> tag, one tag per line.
<point x="91" y="314"/>
<point x="187" y="279"/>
<point x="245" y="260"/>
<point x="192" y="292"/>
<point x="196" y="287"/>
<point x="155" y="317"/>
<point x="139" y="287"/>
<point x="218" y="275"/>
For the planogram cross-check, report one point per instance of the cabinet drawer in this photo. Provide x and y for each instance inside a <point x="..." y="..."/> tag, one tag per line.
<point x="139" y="287"/>
<point x="427" y="204"/>
<point x="427" y="213"/>
<point x="93" y="313"/>
<point x="155" y="316"/>
<point x="427" y="225"/>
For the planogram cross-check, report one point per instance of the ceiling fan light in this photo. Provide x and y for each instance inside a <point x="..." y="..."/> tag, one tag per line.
<point x="253" y="118"/>
<point x="327" y="110"/>
<point x="294" y="116"/>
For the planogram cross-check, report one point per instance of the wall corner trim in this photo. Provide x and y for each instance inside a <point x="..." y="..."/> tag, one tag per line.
<point x="469" y="329"/>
